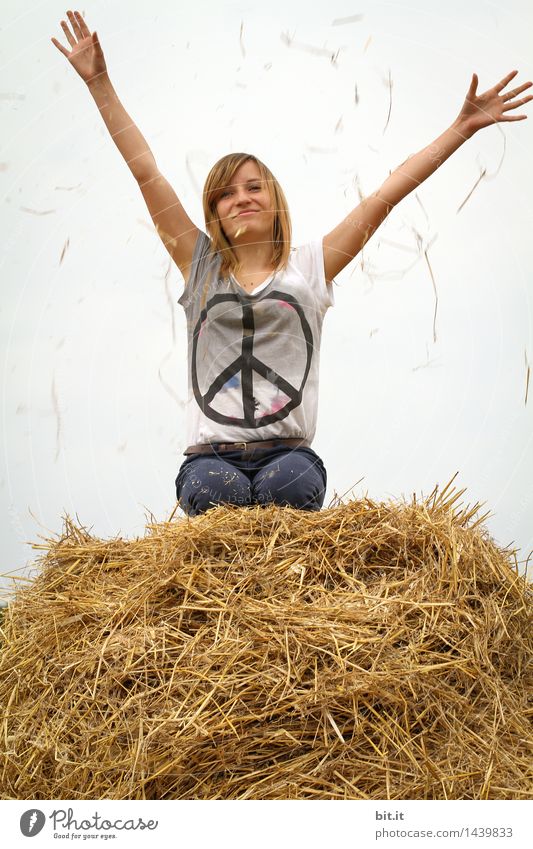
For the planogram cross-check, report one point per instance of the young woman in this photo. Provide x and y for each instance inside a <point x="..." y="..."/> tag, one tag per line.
<point x="254" y="306"/>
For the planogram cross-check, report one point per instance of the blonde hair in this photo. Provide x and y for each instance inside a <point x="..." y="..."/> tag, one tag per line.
<point x="218" y="179"/>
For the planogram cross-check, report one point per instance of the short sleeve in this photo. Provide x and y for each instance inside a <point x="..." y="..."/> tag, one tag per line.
<point x="202" y="259"/>
<point x="309" y="260"/>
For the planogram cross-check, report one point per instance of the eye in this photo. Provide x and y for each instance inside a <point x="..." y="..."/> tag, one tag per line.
<point x="225" y="193"/>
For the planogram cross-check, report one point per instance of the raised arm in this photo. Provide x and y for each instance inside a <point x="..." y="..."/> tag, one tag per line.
<point x="478" y="111"/>
<point x="173" y="225"/>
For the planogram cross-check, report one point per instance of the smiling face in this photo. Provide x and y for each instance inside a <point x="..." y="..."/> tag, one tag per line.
<point x="237" y="183"/>
<point x="245" y="207"/>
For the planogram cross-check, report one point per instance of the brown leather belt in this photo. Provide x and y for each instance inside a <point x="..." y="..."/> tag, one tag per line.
<point x="216" y="447"/>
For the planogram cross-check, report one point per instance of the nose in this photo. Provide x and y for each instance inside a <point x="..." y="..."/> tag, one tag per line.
<point x="242" y="197"/>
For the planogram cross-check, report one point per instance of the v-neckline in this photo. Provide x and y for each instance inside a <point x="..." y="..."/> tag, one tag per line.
<point x="264" y="283"/>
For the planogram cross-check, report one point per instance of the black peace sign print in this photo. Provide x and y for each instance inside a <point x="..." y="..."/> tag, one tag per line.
<point x="250" y="359"/>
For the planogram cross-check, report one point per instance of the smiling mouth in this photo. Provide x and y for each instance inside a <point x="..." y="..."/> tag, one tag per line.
<point x="247" y="212"/>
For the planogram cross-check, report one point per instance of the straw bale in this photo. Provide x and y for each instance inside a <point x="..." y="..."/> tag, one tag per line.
<point x="366" y="651"/>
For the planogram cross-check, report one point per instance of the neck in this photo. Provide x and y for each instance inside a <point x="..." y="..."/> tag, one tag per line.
<point x="254" y="257"/>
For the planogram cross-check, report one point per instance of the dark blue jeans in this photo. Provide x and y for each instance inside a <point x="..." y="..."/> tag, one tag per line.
<point x="293" y="477"/>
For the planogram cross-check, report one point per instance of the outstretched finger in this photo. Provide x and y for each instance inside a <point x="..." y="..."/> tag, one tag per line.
<point x="514" y="118"/>
<point x="75" y="26"/>
<point x="506" y="80"/>
<point x="473" y="86"/>
<point x="96" y="44"/>
<point x="515" y="91"/>
<point x="85" y="31"/>
<point x="70" y="38"/>
<point x="517" y="103"/>
<point x="59" y="46"/>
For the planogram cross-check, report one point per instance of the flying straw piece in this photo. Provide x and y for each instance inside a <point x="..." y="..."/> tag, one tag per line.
<point x="313" y="149"/>
<point x="352" y="19"/>
<point x="367" y="45"/>
<point x="407" y="248"/>
<point x="436" y="295"/>
<point x="11" y="95"/>
<point x="170" y="301"/>
<point x="37" y="211"/>
<point x="422" y="207"/>
<point x="388" y="82"/>
<point x="63" y="252"/>
<point x="527" y="377"/>
<point x="478" y="181"/>
<point x="55" y="404"/>
<point x="491" y="176"/>
<point x="398" y="274"/>
<point x="428" y="362"/>
<point x="356" y="95"/>
<point x="241" y="42"/>
<point x="166" y="385"/>
<point x="309" y="48"/>
<point x="357" y="186"/>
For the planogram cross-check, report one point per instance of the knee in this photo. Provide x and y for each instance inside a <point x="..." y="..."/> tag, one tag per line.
<point x="205" y="498"/>
<point x="199" y="500"/>
<point x="198" y="492"/>
<point x="292" y="489"/>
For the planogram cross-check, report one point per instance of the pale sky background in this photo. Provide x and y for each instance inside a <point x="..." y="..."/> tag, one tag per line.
<point x="93" y="340"/>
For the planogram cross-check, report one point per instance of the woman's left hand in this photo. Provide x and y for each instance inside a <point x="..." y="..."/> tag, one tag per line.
<point x="491" y="107"/>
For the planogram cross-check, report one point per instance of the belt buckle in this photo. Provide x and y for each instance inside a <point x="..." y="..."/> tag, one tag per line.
<point x="240" y="443"/>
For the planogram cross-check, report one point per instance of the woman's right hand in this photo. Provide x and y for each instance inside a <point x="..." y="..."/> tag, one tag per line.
<point x="86" y="55"/>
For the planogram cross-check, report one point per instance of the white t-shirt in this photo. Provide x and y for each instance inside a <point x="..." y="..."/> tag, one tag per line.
<point x="253" y="358"/>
